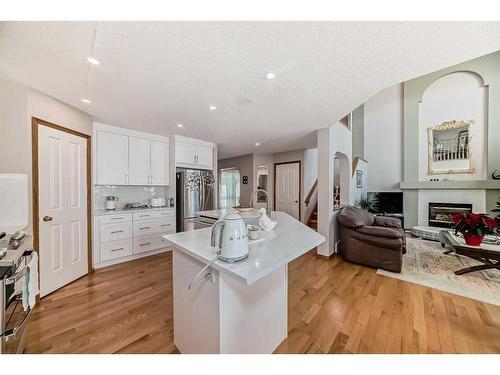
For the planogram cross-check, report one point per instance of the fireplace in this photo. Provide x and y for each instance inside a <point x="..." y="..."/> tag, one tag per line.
<point x="440" y="213"/>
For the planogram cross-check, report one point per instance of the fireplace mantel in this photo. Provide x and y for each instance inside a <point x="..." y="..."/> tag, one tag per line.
<point x="461" y="185"/>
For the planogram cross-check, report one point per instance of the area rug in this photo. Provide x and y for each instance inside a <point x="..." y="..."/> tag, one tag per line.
<point x="425" y="264"/>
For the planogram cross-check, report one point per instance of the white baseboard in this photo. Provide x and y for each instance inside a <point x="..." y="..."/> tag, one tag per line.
<point x="131" y="257"/>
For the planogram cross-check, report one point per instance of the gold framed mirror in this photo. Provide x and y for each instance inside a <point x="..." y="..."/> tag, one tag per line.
<point x="449" y="146"/>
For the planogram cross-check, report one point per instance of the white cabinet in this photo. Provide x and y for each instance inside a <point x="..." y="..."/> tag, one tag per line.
<point x="185" y="153"/>
<point x="193" y="153"/>
<point x="204" y="156"/>
<point x="126" y="236"/>
<point x="112" y="159"/>
<point x="127" y="157"/>
<point x="139" y="161"/>
<point x="159" y="169"/>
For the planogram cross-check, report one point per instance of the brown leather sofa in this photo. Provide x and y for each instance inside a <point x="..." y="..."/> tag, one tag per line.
<point x="370" y="240"/>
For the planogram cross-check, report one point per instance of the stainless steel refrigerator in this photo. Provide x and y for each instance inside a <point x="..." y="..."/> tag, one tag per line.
<point x="195" y="192"/>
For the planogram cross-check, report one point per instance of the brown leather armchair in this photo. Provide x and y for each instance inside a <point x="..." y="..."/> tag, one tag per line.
<point x="374" y="241"/>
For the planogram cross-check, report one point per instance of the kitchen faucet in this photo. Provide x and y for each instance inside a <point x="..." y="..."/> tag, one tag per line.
<point x="259" y="190"/>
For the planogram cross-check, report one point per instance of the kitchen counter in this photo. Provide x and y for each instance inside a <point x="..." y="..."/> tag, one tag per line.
<point x="240" y="307"/>
<point x="103" y="211"/>
<point x="289" y="240"/>
<point x="216" y="214"/>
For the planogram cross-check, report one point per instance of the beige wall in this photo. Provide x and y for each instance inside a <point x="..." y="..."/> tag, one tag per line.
<point x="18" y="104"/>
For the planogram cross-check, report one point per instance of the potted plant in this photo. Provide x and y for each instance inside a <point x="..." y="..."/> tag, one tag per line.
<point x="474" y="227"/>
<point x="365" y="203"/>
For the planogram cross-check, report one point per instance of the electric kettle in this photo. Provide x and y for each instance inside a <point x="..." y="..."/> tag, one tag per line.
<point x="229" y="236"/>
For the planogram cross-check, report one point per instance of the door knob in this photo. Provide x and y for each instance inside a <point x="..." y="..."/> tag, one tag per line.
<point x="47" y="218"/>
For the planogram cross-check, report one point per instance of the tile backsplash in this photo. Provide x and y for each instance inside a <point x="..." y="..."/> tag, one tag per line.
<point x="128" y="194"/>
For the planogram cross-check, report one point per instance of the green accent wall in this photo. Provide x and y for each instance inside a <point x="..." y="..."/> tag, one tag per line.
<point x="488" y="68"/>
<point x="358" y="132"/>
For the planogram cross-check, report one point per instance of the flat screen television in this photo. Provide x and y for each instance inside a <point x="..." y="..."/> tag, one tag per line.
<point x="386" y="202"/>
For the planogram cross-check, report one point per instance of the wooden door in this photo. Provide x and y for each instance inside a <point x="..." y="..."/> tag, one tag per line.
<point x="287" y="191"/>
<point x="138" y="161"/>
<point x="112" y="159"/>
<point x="62" y="208"/>
<point x="159" y="163"/>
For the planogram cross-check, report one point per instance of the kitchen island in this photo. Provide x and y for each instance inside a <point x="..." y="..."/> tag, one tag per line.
<point x="240" y="307"/>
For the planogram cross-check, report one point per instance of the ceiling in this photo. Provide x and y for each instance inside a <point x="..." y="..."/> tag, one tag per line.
<point x="154" y="75"/>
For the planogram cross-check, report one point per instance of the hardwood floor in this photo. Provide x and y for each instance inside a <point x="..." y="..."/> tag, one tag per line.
<point x="334" y="307"/>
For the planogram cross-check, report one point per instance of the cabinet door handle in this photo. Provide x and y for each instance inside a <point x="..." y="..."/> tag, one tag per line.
<point x="116" y="218"/>
<point x="144" y="228"/>
<point x="145" y="244"/>
<point x="165" y="225"/>
<point x="118" y="249"/>
<point x="144" y="215"/>
<point x="117" y="231"/>
<point x="151" y="179"/>
<point x="126" y="177"/>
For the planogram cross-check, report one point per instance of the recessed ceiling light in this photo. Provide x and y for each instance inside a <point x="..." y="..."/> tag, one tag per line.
<point x="212" y="108"/>
<point x="270" y="76"/>
<point x="93" y="60"/>
<point x="257" y="144"/>
<point x="86" y="101"/>
<point x="180" y="125"/>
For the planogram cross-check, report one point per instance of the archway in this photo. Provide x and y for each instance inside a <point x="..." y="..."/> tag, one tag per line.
<point x="341" y="180"/>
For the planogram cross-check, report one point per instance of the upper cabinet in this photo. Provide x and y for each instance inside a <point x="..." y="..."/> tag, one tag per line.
<point x="127" y="157"/>
<point x="112" y="158"/>
<point x="193" y="153"/>
<point x="159" y="151"/>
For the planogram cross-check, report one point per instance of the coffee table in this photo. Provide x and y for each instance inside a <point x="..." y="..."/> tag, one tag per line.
<point x="487" y="254"/>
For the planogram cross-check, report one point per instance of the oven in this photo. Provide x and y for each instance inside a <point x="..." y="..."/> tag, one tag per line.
<point x="13" y="318"/>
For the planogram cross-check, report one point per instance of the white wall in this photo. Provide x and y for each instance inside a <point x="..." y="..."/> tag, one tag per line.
<point x="356" y="192"/>
<point x="19" y="105"/>
<point x="476" y="197"/>
<point x="310" y="168"/>
<point x="332" y="141"/>
<point x="457" y="96"/>
<point x="384" y="139"/>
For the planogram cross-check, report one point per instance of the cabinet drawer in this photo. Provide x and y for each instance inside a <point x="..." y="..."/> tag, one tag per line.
<point x="115" y="232"/>
<point x="153" y="214"/>
<point x="147" y="227"/>
<point x="116" y="249"/>
<point x="150" y="243"/>
<point x="118" y="218"/>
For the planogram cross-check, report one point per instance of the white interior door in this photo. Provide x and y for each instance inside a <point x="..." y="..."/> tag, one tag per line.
<point x="287" y="189"/>
<point x="62" y="197"/>
<point x="138" y="161"/>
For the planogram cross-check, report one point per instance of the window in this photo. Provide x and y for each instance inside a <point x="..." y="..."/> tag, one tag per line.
<point x="229" y="187"/>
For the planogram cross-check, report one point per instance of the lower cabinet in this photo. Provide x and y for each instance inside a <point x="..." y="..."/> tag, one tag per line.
<point x="122" y="237"/>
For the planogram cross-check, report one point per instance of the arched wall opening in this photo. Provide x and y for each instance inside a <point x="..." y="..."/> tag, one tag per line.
<point x="341" y="180"/>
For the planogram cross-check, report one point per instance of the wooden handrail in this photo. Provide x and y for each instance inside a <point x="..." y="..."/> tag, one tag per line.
<point x="311" y="192"/>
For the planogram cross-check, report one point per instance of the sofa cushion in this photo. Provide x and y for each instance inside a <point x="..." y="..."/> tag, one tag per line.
<point x="383" y="232"/>
<point x="352" y="217"/>
<point x="384" y="221"/>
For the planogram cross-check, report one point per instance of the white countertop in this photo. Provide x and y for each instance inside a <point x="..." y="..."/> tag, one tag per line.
<point x="100" y="212"/>
<point x="216" y="214"/>
<point x="289" y="240"/>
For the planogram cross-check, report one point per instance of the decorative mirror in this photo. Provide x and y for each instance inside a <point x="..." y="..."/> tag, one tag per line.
<point x="262" y="174"/>
<point x="449" y="148"/>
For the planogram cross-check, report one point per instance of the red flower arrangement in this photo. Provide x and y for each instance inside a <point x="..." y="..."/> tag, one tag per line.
<point x="474" y="226"/>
